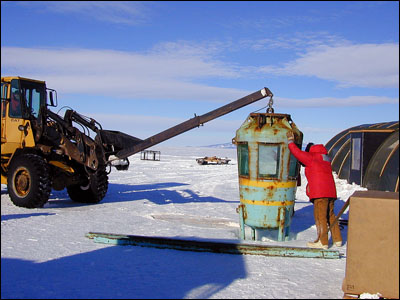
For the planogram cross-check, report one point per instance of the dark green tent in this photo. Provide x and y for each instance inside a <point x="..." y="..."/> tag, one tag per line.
<point x="367" y="155"/>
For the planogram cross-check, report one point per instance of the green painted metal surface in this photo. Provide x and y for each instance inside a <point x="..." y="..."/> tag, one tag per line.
<point x="211" y="246"/>
<point x="267" y="172"/>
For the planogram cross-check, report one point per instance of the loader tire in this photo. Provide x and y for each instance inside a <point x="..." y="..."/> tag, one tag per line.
<point x="94" y="191"/>
<point x="29" y="181"/>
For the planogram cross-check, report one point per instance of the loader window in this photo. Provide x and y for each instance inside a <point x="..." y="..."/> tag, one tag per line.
<point x="33" y="95"/>
<point x="15" y="101"/>
<point x="4" y="90"/>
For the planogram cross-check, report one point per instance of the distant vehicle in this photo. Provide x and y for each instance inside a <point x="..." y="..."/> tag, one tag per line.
<point x="212" y="160"/>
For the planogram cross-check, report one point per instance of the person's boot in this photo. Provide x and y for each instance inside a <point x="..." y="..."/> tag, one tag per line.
<point x="317" y="244"/>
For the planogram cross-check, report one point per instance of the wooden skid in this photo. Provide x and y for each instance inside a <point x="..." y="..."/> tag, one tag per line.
<point x="350" y="296"/>
<point x="209" y="246"/>
<point x="358" y="296"/>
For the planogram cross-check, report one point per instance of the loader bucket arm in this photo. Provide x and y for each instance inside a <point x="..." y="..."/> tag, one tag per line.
<point x="192" y="123"/>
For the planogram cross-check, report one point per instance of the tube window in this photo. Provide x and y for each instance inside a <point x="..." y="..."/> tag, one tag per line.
<point x="268" y="160"/>
<point x="243" y="159"/>
<point x="293" y="166"/>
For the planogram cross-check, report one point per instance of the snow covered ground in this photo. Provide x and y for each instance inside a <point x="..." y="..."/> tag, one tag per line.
<point x="45" y="254"/>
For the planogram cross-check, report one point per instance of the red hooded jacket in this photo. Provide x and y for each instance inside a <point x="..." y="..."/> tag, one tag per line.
<point x="318" y="171"/>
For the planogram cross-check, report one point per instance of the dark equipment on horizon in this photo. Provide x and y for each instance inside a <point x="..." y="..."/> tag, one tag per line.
<point x="213" y="160"/>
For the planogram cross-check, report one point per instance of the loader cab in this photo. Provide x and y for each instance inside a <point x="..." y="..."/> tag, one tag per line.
<point x="21" y="103"/>
<point x="25" y="97"/>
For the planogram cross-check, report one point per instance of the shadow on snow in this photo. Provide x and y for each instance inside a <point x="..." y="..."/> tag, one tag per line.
<point x="303" y="219"/>
<point x="22" y="216"/>
<point x="122" y="272"/>
<point x="159" y="193"/>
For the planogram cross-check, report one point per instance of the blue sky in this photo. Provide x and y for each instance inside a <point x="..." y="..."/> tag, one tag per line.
<point x="142" y="67"/>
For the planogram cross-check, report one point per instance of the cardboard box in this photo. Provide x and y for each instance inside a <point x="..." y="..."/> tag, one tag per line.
<point x="372" y="263"/>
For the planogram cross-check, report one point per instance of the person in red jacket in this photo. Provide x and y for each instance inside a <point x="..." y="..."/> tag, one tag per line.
<point x="320" y="189"/>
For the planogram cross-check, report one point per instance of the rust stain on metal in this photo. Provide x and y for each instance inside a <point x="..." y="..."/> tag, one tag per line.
<point x="270" y="192"/>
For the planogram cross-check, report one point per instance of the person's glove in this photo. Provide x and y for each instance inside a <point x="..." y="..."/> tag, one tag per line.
<point x="290" y="136"/>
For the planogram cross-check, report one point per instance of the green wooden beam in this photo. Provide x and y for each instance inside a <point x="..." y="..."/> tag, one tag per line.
<point x="211" y="246"/>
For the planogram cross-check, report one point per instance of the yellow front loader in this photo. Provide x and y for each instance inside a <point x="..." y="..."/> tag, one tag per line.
<point x="41" y="150"/>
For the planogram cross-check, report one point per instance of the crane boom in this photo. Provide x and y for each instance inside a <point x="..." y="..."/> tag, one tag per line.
<point x="192" y="123"/>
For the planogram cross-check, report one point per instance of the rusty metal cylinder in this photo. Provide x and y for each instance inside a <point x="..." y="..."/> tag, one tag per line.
<point x="267" y="171"/>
